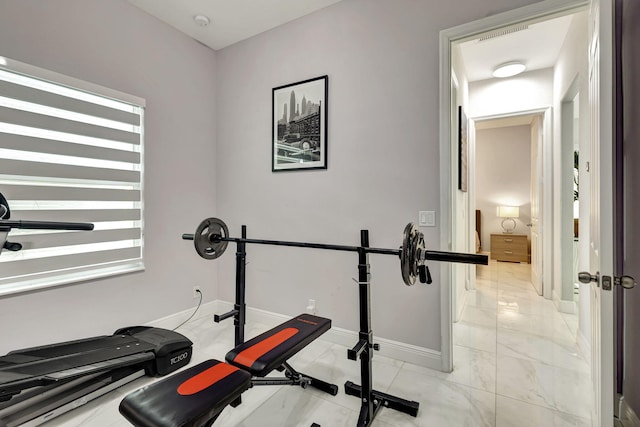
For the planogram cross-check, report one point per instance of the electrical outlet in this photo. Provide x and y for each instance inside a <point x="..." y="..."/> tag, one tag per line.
<point x="311" y="307"/>
<point x="197" y="291"/>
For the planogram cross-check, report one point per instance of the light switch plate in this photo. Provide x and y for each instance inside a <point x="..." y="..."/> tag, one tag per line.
<point x="427" y="219"/>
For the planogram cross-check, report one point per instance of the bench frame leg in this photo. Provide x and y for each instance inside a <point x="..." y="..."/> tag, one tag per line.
<point x="293" y="377"/>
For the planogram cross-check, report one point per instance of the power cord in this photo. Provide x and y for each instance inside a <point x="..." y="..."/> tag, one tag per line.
<point x="192" y="314"/>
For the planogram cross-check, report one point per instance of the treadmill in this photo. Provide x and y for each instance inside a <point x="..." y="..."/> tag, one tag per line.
<point x="40" y="383"/>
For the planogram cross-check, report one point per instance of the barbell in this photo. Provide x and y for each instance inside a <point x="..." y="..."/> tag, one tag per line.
<point x="211" y="239"/>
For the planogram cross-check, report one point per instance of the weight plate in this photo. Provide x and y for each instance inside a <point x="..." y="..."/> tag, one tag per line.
<point x="410" y="254"/>
<point x="5" y="212"/>
<point x="204" y="238"/>
<point x="406" y="255"/>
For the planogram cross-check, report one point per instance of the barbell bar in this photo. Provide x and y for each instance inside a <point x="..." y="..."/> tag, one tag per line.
<point x="212" y="237"/>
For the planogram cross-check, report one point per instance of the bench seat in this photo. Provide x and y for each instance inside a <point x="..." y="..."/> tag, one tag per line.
<point x="271" y="349"/>
<point x="191" y="398"/>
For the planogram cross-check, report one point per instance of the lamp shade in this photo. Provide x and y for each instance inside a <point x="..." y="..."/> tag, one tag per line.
<point x="508" y="211"/>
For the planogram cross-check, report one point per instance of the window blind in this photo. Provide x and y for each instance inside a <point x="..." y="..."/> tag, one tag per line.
<point x="70" y="151"/>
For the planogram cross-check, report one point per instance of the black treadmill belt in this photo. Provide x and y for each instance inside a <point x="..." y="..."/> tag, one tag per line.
<point x="42" y="365"/>
<point x="102" y="366"/>
<point x="34" y="407"/>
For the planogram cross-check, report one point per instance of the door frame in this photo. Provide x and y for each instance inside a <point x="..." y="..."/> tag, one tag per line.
<point x="602" y="198"/>
<point x="545" y="115"/>
<point x="540" y="10"/>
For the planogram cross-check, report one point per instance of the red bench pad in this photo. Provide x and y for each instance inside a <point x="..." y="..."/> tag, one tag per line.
<point x="269" y="350"/>
<point x="190" y="398"/>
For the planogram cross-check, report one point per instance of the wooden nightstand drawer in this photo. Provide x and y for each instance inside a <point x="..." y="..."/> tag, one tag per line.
<point x="510" y="247"/>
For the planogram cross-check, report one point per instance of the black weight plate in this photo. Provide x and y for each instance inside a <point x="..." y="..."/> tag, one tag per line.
<point x="407" y="255"/>
<point x="203" y="239"/>
<point x="5" y="212"/>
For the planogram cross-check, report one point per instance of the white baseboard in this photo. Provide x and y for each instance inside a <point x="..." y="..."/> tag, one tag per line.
<point x="564" y="306"/>
<point x="173" y="320"/>
<point x="396" y="350"/>
<point x="460" y="303"/>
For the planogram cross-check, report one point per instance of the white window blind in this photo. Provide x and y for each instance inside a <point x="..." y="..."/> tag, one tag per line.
<point x="70" y="151"/>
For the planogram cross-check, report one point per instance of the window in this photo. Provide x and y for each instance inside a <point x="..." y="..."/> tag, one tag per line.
<point x="70" y="151"/>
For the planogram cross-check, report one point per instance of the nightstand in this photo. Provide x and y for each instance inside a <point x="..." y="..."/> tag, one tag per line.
<point x="510" y="247"/>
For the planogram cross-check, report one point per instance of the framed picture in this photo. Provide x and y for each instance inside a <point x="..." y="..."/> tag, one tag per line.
<point x="463" y="150"/>
<point x="299" y="125"/>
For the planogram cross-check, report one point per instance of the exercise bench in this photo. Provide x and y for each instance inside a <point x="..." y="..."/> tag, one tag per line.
<point x="197" y="395"/>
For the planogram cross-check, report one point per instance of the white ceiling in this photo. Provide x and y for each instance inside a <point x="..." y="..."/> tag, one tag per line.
<point x="234" y="20"/>
<point x="231" y="20"/>
<point x="543" y="41"/>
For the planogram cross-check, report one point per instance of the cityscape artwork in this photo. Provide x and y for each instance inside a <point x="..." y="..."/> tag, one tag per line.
<point x="299" y="125"/>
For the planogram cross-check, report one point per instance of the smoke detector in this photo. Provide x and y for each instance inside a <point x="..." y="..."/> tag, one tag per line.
<point x="201" y="20"/>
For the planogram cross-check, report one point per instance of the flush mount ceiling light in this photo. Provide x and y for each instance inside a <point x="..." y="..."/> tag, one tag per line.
<point x="201" y="20"/>
<point x="509" y="69"/>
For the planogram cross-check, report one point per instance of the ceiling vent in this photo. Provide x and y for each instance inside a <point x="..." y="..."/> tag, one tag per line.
<point x="503" y="32"/>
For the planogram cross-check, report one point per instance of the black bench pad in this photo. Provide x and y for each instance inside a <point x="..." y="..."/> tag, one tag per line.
<point x="189" y="398"/>
<point x="269" y="350"/>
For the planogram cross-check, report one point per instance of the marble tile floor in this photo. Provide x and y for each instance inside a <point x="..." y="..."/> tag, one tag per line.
<point x="515" y="357"/>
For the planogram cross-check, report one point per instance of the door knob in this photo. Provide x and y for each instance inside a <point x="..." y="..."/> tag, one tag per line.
<point x="626" y="282"/>
<point x="585" y="277"/>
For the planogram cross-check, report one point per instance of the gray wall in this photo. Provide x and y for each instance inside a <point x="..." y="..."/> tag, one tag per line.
<point x="631" y="91"/>
<point x="382" y="60"/>
<point x="208" y="153"/>
<point x="116" y="45"/>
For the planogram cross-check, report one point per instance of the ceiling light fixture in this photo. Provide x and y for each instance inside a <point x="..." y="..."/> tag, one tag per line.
<point x="509" y="69"/>
<point x="201" y="20"/>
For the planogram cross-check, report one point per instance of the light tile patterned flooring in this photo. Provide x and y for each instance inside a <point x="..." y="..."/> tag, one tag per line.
<point x="515" y="357"/>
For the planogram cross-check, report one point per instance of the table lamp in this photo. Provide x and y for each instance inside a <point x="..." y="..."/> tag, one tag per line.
<point x="509" y="213"/>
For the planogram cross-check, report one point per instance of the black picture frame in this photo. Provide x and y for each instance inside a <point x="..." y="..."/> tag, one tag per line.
<point x="299" y="125"/>
<point x="463" y="151"/>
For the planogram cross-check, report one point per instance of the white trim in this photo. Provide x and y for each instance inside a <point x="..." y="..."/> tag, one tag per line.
<point x="540" y="10"/>
<point x="563" y="306"/>
<point x="602" y="192"/>
<point x="446" y="233"/>
<point x="173" y="320"/>
<point x="61" y="79"/>
<point x="47" y="282"/>
<point x="462" y="302"/>
<point x="547" y="230"/>
<point x="537" y="10"/>
<point x="389" y="348"/>
<point x="516" y="113"/>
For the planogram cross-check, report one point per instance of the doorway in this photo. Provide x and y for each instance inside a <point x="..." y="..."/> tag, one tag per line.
<point x="525" y="95"/>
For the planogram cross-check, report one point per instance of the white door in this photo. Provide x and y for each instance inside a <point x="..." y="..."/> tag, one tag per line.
<point x="536" y="193"/>
<point x="601" y="209"/>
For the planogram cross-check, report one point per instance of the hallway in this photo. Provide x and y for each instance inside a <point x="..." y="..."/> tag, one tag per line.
<point x="514" y="343"/>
